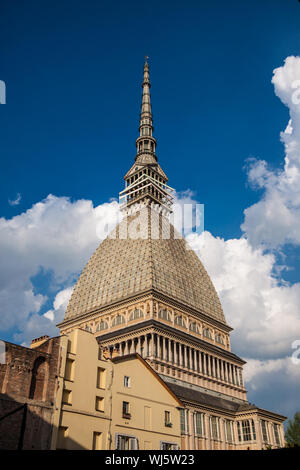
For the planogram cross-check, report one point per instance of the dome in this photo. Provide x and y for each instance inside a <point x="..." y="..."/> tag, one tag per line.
<point x="144" y="254"/>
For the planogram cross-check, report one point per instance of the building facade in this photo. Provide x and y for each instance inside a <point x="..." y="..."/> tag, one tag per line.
<point x="28" y="386"/>
<point x="144" y="359"/>
<point x="145" y="291"/>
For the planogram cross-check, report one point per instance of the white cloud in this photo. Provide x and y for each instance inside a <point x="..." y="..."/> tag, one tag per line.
<point x="264" y="312"/>
<point x="56" y="235"/>
<point x="273" y="384"/>
<point x="15" y="202"/>
<point x="275" y="219"/>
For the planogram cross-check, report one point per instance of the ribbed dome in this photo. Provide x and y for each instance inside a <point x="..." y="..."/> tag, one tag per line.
<point x="124" y="265"/>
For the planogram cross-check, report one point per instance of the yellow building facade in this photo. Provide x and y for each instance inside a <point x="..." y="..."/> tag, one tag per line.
<point x="107" y="404"/>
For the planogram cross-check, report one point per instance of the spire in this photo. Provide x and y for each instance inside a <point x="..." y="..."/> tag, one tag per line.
<point x="146" y="143"/>
<point x="146" y="182"/>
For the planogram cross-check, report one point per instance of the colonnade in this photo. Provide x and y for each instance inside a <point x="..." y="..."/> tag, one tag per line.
<point x="172" y="352"/>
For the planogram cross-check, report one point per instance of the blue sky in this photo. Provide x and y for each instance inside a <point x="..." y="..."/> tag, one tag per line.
<point x="73" y="75"/>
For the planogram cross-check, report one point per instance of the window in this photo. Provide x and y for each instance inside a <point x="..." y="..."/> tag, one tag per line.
<point x="124" y="442"/>
<point x="137" y="313"/>
<point x="69" y="375"/>
<point x="126" y="410"/>
<point x="179" y="321"/>
<point x="264" y="431"/>
<point x="228" y="430"/>
<point x="97" y="440"/>
<point x="219" y="339"/>
<point x="276" y="434"/>
<point x="168" y="446"/>
<point x="253" y="430"/>
<point x="126" y="381"/>
<point x="214" y="427"/>
<point x="99" y="404"/>
<point x="246" y="430"/>
<point x="168" y="419"/>
<point x="118" y="320"/>
<point x="67" y="397"/>
<point x="207" y="333"/>
<point x="198" y="421"/>
<point x="88" y="328"/>
<point x="194" y="327"/>
<point x="182" y="422"/>
<point x="101" y="377"/>
<point x="164" y="314"/>
<point x="103" y="325"/>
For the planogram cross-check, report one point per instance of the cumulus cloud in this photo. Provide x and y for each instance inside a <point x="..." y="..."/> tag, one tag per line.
<point x="57" y="236"/>
<point x="275" y="219"/>
<point x="275" y="382"/>
<point x="264" y="312"/>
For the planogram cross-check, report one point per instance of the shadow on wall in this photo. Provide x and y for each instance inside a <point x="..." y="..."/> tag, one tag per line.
<point x="27" y="426"/>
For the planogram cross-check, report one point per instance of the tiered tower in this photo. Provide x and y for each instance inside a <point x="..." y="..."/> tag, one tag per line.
<point x="144" y="290"/>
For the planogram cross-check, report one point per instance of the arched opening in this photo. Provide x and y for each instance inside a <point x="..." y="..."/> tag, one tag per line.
<point x="38" y="379"/>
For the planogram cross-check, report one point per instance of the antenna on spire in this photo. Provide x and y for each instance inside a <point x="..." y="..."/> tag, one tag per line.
<point x="146" y="57"/>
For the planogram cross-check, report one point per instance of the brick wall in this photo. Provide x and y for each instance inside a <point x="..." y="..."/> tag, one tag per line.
<point x="28" y="376"/>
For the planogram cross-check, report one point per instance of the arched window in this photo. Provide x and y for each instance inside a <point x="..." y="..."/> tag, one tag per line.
<point x="118" y="320"/>
<point x="179" y="321"/>
<point x="103" y="325"/>
<point x="207" y="333"/>
<point x="38" y="379"/>
<point x="219" y="339"/>
<point x="194" y="327"/>
<point x="164" y="314"/>
<point x="88" y="328"/>
<point x="137" y="313"/>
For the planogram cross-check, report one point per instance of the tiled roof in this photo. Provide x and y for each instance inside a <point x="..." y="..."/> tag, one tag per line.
<point x="144" y="252"/>
<point x="201" y="398"/>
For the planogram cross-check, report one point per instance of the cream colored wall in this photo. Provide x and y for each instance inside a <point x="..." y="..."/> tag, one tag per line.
<point x="81" y="417"/>
<point x="145" y="391"/>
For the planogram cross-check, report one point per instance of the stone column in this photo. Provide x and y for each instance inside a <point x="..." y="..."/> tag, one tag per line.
<point x="196" y="363"/>
<point x="218" y="369"/>
<point x="175" y="354"/>
<point x="151" y="345"/>
<point x="180" y="354"/>
<point x="139" y="346"/>
<point x="165" y="354"/>
<point x="126" y="348"/>
<point x="190" y="359"/>
<point x="158" y="347"/>
<point x="170" y="358"/>
<point x="200" y="362"/>
<point x="204" y="364"/>
<point x="209" y="364"/>
<point x="185" y="356"/>
<point x="213" y="360"/>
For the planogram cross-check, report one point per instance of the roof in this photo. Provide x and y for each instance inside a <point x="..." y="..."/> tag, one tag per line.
<point x="145" y="363"/>
<point x="144" y="253"/>
<point x="205" y="399"/>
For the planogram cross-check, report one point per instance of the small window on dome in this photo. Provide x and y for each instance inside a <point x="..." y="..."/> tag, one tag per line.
<point x="179" y="321"/>
<point x="103" y="325"/>
<point x="137" y="313"/>
<point x="118" y="320"/>
<point x="164" y="314"/>
<point x="207" y="333"/>
<point x="194" y="327"/>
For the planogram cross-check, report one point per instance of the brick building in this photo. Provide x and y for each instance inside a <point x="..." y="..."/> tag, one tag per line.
<point x="28" y="382"/>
